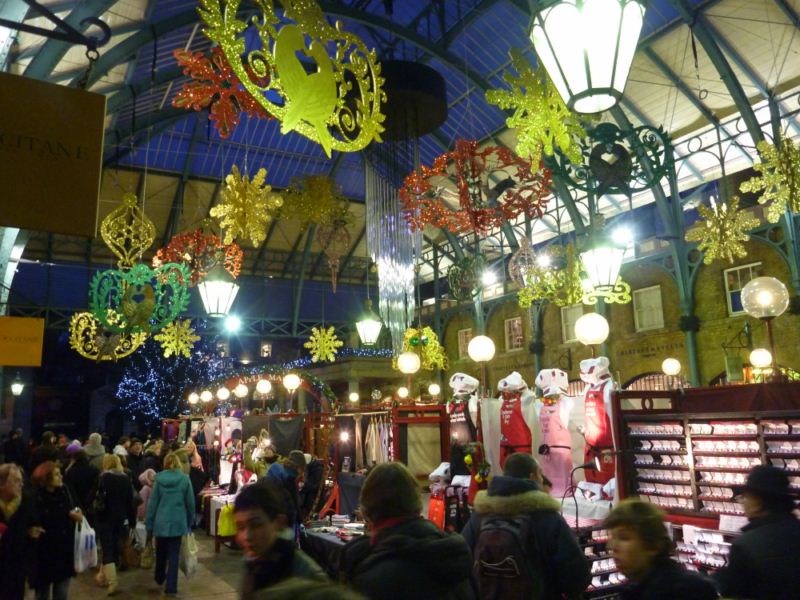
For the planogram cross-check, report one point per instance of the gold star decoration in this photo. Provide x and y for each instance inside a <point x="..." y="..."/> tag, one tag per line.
<point x="247" y="207"/>
<point x="323" y="344"/>
<point x="542" y="120"/>
<point x="722" y="231"/>
<point x="779" y="178"/>
<point x="177" y="338"/>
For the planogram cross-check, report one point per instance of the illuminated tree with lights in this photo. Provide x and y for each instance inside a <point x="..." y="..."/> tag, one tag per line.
<point x="153" y="387"/>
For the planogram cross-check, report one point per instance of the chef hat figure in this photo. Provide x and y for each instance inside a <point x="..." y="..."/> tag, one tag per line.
<point x="461" y="383"/>
<point x="595" y="370"/>
<point x="512" y="383"/>
<point x="548" y="379"/>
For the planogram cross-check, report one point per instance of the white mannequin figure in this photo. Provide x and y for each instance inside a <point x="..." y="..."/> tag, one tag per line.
<point x="598" y="431"/>
<point x="462" y="408"/>
<point x="553" y="413"/>
<point x="516" y="400"/>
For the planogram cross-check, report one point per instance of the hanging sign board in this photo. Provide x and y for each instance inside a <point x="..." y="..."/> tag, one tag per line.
<point x="21" y="341"/>
<point x="51" y="146"/>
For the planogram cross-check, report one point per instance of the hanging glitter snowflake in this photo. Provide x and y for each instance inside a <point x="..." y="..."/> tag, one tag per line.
<point x="247" y="207"/>
<point x="542" y="120"/>
<point x="555" y="275"/>
<point x="215" y="84"/>
<point x="779" y="179"/>
<point x="722" y="231"/>
<point x="177" y="338"/>
<point x="323" y="344"/>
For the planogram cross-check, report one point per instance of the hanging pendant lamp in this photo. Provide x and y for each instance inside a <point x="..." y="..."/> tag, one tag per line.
<point x="218" y="291"/>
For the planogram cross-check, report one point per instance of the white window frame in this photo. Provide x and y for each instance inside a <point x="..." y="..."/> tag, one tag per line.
<point x="637" y="294"/>
<point x="464" y="343"/>
<point x="511" y="344"/>
<point x="569" y="336"/>
<point x="728" y="291"/>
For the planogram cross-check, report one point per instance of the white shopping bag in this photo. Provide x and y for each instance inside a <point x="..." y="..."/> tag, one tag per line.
<point x="140" y="535"/>
<point x="85" y="547"/>
<point x="188" y="560"/>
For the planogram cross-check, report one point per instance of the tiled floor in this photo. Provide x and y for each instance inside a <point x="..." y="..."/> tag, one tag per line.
<point x="217" y="578"/>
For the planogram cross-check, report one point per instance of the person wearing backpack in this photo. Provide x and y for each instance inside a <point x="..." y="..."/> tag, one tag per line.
<point x="521" y="545"/>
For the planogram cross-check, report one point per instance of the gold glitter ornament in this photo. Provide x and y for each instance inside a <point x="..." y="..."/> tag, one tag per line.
<point x="323" y="344"/>
<point x="779" y="178"/>
<point x="542" y="120"/>
<point x="127" y="231"/>
<point x="89" y="339"/>
<point x="177" y="338"/>
<point x="555" y="276"/>
<point x="337" y="105"/>
<point x="246" y="207"/>
<point x="426" y="343"/>
<point x="315" y="199"/>
<point x="722" y="231"/>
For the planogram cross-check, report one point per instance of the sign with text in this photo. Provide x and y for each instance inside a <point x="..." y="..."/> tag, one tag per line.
<point x="51" y="146"/>
<point x="21" y="341"/>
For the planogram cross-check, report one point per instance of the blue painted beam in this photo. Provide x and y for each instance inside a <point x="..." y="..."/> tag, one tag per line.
<point x="176" y="209"/>
<point x="298" y="290"/>
<point x="53" y="50"/>
<point x="790" y="13"/>
<point x="126" y="94"/>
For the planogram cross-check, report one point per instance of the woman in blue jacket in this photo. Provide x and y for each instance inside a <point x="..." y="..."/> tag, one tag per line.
<point x="170" y="513"/>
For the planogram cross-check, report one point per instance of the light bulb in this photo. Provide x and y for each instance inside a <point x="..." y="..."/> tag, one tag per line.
<point x="344" y="436"/>
<point x="488" y="278"/>
<point x="232" y="323"/>
<point x="402" y="392"/>
<point x="434" y="389"/>
<point x="263" y="386"/>
<point x="353" y="397"/>
<point x="240" y="391"/>
<point x="761" y="358"/>
<point x="206" y="396"/>
<point x="223" y="393"/>
<point x="671" y="366"/>
<point x="194" y="398"/>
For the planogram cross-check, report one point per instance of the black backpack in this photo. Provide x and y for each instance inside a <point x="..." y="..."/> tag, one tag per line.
<point x="502" y="563"/>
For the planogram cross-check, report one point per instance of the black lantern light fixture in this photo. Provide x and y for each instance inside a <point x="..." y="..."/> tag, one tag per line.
<point x="587" y="47"/>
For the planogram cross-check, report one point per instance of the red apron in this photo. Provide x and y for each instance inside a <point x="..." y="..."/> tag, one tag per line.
<point x="598" y="436"/>
<point x="515" y="435"/>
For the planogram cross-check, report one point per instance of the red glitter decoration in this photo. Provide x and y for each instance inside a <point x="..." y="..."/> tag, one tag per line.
<point x="215" y="85"/>
<point x="199" y="251"/>
<point x="463" y="176"/>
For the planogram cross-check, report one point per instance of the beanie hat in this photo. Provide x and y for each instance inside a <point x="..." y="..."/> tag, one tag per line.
<point x="95" y="439"/>
<point x="74" y="446"/>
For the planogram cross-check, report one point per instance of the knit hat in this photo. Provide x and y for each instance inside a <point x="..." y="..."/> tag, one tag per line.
<point x="297" y="458"/>
<point x="74" y="446"/>
<point x="95" y="439"/>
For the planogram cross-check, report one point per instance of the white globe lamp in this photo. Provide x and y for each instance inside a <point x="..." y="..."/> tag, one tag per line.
<point x="434" y="389"/>
<point x="765" y="298"/>
<point x="264" y="386"/>
<point x="206" y="396"/>
<point x="291" y="381"/>
<point x="402" y="392"/>
<point x="761" y="358"/>
<point x="671" y="366"/>
<point x="223" y="393"/>
<point x="591" y="329"/>
<point x="194" y="398"/>
<point x="481" y="349"/>
<point x="353" y="397"/>
<point x="241" y="390"/>
<point x="408" y="363"/>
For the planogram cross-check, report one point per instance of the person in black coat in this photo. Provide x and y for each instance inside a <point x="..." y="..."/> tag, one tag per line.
<point x="551" y="546"/>
<point x="47" y="451"/>
<point x="640" y="546"/>
<point x="116" y="489"/>
<point x="14" y="449"/>
<point x="764" y="562"/>
<point x="135" y="458"/>
<point x="81" y="476"/>
<point x="405" y="555"/>
<point x="57" y="514"/>
<point x="18" y="528"/>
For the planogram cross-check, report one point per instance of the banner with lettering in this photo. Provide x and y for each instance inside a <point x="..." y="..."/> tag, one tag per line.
<point x="21" y="341"/>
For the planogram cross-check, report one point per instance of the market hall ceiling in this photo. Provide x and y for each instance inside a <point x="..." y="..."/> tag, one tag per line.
<point x="703" y="68"/>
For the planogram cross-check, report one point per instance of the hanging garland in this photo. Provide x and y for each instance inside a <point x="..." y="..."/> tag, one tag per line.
<point x="543" y="122"/>
<point x="779" y="180"/>
<point x="464" y="277"/>
<point x="323" y="344"/>
<point x="216" y="85"/>
<point x="177" y="338"/>
<point x="89" y="339"/>
<point x="246" y="207"/>
<point x="127" y="231"/>
<point x="554" y="276"/>
<point x="200" y="251"/>
<point x="426" y="342"/>
<point x="722" y="231"/>
<point x="455" y="194"/>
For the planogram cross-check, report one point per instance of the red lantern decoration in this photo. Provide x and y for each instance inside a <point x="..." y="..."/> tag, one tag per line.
<point x="457" y="192"/>
<point x="200" y="251"/>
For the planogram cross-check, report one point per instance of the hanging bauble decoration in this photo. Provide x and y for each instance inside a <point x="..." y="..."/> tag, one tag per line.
<point x="127" y="231"/>
<point x="425" y="342"/>
<point x="89" y="339"/>
<point x="464" y="277"/>
<point x="200" y="252"/>
<point x="144" y="299"/>
<point x="543" y="122"/>
<point x="246" y="207"/>
<point x="215" y="85"/>
<point x="337" y="103"/>
<point x="521" y="261"/>
<point x="722" y="231"/>
<point x="779" y="179"/>
<point x="177" y="338"/>
<point x="323" y="344"/>
<point x="315" y="199"/>
<point x="335" y="241"/>
<point x="556" y="276"/>
<point x="458" y="194"/>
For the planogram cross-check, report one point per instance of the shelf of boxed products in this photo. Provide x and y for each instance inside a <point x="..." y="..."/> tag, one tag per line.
<point x="782" y="443"/>
<point x="606" y="580"/>
<point x="702" y="549"/>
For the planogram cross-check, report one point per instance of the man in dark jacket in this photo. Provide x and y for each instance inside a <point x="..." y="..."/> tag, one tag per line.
<point x="764" y="563"/>
<point x="404" y="556"/>
<point x="14" y="449"/>
<point x="552" y="548"/>
<point x="47" y="451"/>
<point x="135" y="462"/>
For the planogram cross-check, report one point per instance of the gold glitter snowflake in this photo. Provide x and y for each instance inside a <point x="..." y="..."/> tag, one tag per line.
<point x="779" y="179"/>
<point x="177" y="338"/>
<point x="323" y="344"/>
<point x="542" y="120"/>
<point x="247" y="207"/>
<point x="722" y="231"/>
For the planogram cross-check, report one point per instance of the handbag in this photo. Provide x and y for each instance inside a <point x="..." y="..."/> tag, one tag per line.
<point x="188" y="557"/>
<point x="85" y="548"/>
<point x="226" y="525"/>
<point x="130" y="557"/>
<point x="148" y="556"/>
<point x="436" y="511"/>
